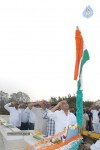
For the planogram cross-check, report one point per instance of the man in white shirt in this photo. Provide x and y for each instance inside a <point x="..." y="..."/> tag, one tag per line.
<point x="62" y="117"/>
<point x="95" y="120"/>
<point x="24" y="117"/>
<point x="15" y="113"/>
<point x="31" y="116"/>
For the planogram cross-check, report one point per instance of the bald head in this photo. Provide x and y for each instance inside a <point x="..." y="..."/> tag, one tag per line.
<point x="64" y="105"/>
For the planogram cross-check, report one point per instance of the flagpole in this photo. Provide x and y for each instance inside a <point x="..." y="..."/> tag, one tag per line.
<point x="79" y="107"/>
<point x="77" y="27"/>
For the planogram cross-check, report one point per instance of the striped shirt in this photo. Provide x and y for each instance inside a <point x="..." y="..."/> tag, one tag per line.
<point x="50" y="126"/>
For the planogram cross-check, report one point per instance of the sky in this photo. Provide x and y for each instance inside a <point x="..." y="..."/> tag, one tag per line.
<point x="37" y="47"/>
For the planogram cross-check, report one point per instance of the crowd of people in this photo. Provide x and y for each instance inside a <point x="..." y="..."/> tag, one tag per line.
<point x="49" y="119"/>
<point x="41" y="116"/>
<point x="91" y="119"/>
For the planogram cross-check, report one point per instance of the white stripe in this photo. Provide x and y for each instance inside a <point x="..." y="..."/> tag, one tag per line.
<point x="84" y="47"/>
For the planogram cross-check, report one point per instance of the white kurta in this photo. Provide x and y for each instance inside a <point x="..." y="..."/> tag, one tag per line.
<point x="24" y="116"/>
<point x="95" y="121"/>
<point x="31" y="114"/>
<point x="61" y="119"/>
<point x="15" y="115"/>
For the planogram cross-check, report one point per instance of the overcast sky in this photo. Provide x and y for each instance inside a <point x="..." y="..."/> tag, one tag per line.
<point x="37" y="47"/>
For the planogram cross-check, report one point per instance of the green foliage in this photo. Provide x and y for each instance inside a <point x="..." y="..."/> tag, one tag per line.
<point x="4" y="98"/>
<point x="88" y="103"/>
<point x="3" y="111"/>
<point x="70" y="99"/>
<point x="53" y="100"/>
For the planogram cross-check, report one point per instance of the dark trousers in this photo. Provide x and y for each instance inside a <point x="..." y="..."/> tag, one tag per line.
<point x="18" y="127"/>
<point x="24" y="126"/>
<point x="90" y="128"/>
<point x="31" y="126"/>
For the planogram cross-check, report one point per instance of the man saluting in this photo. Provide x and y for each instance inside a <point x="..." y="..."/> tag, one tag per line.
<point x="15" y="113"/>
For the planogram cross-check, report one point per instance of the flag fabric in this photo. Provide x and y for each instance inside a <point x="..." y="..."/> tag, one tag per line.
<point x="82" y="56"/>
<point x="79" y="52"/>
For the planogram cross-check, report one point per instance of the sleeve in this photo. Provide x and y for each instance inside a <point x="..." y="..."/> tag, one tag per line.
<point x="44" y="115"/>
<point x="52" y="115"/>
<point x="95" y="146"/>
<point x="7" y="107"/>
<point x="27" y="110"/>
<point x="73" y="119"/>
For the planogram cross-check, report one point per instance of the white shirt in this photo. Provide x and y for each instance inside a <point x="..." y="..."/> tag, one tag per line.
<point x="31" y="115"/>
<point x="24" y="115"/>
<point x="95" y="146"/>
<point x="85" y="119"/>
<point x="95" y="116"/>
<point x="15" y="115"/>
<point x="61" y="119"/>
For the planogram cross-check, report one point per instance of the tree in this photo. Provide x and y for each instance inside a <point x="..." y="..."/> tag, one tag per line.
<point x="53" y="100"/>
<point x="20" y="96"/>
<point x="88" y="103"/>
<point x="3" y="100"/>
<point x="71" y="101"/>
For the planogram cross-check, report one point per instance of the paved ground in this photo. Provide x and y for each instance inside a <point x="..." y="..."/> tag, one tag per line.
<point x="6" y="117"/>
<point x="1" y="143"/>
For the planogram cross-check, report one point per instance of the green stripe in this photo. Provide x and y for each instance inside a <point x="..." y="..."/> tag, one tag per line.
<point x="85" y="58"/>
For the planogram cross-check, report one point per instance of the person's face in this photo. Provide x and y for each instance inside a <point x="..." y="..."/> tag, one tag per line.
<point x="97" y="107"/>
<point x="16" y="105"/>
<point x="64" y="105"/>
<point x="24" y="105"/>
<point x="44" y="104"/>
<point x="30" y="106"/>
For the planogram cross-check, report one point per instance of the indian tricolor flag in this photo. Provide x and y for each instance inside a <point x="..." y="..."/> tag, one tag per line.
<point x="82" y="56"/>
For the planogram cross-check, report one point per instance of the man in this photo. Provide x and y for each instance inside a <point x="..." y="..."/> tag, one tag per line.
<point x="85" y="119"/>
<point x="40" y="123"/>
<point x="24" y="116"/>
<point x="62" y="117"/>
<point x="88" y="111"/>
<point x="15" y="113"/>
<point x="51" y="122"/>
<point x="31" y="116"/>
<point x="95" y="120"/>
